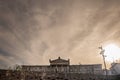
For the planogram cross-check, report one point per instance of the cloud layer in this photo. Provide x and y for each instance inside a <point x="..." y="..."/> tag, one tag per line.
<point x="33" y="31"/>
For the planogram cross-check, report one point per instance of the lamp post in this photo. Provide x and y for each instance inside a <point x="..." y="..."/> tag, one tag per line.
<point x="103" y="55"/>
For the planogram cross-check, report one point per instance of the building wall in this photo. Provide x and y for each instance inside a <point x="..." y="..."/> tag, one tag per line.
<point x="31" y="75"/>
<point x="115" y="69"/>
<point x="91" y="69"/>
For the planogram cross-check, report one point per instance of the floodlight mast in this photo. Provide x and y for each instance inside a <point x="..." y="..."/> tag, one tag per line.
<point x="103" y="55"/>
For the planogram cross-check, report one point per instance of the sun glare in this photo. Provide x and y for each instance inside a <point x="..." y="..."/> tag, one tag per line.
<point x="112" y="52"/>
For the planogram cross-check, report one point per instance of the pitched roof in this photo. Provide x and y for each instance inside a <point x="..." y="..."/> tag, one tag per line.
<point x="59" y="60"/>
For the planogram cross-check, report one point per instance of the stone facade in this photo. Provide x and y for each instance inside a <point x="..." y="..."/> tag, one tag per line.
<point x="115" y="68"/>
<point x="59" y="69"/>
<point x="62" y="65"/>
<point x="33" y="75"/>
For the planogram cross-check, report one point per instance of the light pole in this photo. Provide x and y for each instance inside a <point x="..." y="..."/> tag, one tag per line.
<point x="103" y="55"/>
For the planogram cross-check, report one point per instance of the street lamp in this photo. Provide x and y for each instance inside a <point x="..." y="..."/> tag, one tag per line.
<point x="103" y="55"/>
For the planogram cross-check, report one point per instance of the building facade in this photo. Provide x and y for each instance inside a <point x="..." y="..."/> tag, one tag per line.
<point x="59" y="69"/>
<point x="115" y="68"/>
<point x="63" y="66"/>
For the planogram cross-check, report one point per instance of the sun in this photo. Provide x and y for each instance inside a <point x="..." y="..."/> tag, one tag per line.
<point x="112" y="52"/>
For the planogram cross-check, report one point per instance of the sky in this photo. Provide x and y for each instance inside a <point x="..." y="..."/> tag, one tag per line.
<point x="34" y="31"/>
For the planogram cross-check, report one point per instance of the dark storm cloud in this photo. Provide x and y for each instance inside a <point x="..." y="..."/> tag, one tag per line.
<point x="3" y="52"/>
<point x="31" y="30"/>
